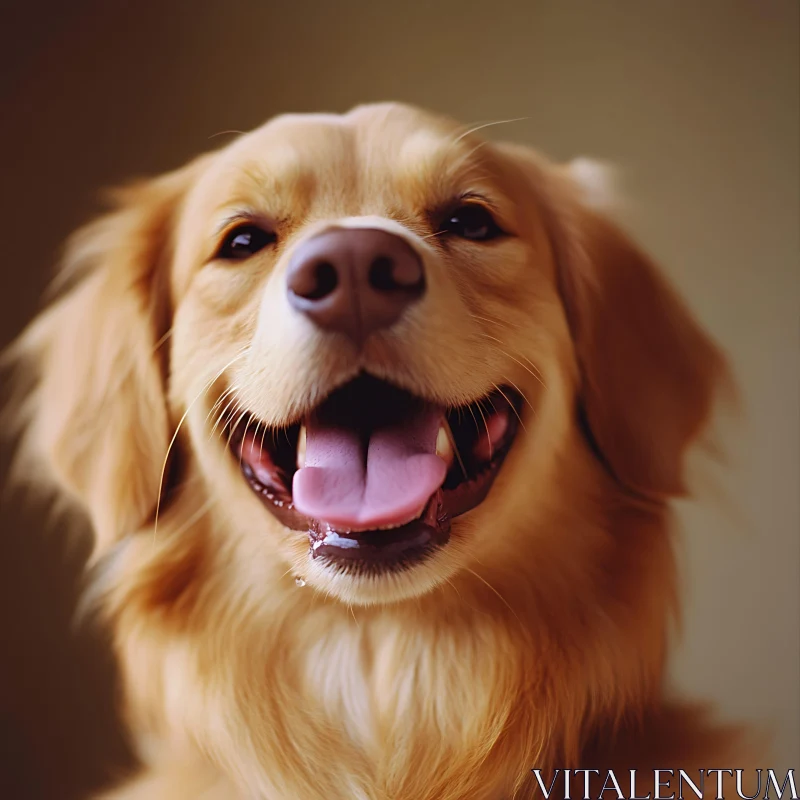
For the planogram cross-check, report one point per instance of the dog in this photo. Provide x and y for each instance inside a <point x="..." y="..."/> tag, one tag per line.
<point x="377" y="424"/>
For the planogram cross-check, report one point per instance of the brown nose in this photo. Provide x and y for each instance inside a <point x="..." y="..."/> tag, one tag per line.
<point x="355" y="280"/>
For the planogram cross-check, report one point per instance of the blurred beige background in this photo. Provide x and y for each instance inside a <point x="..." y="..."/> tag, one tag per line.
<point x="697" y="102"/>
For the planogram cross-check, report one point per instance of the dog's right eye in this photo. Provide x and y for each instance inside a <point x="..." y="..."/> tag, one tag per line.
<point x="472" y="221"/>
<point x="244" y="241"/>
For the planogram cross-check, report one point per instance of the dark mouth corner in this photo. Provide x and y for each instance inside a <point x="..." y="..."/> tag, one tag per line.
<point x="374" y="474"/>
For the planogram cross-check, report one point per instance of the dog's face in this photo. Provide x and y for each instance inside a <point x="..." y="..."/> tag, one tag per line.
<point x="365" y="320"/>
<point x="391" y="352"/>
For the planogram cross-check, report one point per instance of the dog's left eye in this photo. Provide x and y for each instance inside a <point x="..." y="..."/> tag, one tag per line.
<point x="244" y="241"/>
<point x="473" y="222"/>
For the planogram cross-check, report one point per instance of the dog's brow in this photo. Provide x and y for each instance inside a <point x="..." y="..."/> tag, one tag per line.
<point x="480" y="197"/>
<point x="264" y="188"/>
<point x="240" y="215"/>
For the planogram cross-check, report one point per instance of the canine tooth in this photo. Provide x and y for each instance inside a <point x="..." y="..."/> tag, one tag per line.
<point x="301" y="447"/>
<point x="444" y="447"/>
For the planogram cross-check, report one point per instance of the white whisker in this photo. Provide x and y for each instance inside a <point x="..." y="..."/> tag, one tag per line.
<point x="487" y="125"/>
<point x="223" y="133"/>
<point x="200" y="394"/>
<point x="513" y="407"/>
<point x="230" y="409"/>
<point x="233" y="428"/>
<point x="229" y="391"/>
<point x="489" y="585"/>
<point x="486" y="425"/>
<point x="520" y="393"/>
<point x="456" y="452"/>
<point x="537" y="375"/>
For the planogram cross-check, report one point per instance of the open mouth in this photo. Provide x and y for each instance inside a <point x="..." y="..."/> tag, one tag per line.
<point x="375" y="474"/>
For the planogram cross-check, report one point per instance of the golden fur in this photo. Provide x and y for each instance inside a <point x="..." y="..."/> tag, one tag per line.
<point x="537" y="637"/>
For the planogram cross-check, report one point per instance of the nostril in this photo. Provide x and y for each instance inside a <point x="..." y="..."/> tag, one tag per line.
<point x="321" y="281"/>
<point x="327" y="280"/>
<point x="354" y="281"/>
<point x="388" y="275"/>
<point x="381" y="274"/>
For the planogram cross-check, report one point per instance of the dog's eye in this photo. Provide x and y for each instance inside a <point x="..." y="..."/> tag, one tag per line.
<point x="472" y="221"/>
<point x="244" y="241"/>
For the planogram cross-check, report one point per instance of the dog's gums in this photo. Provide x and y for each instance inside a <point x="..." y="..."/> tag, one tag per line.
<point x="374" y="475"/>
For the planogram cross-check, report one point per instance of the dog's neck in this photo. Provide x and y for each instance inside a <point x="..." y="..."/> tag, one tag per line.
<point x="466" y="683"/>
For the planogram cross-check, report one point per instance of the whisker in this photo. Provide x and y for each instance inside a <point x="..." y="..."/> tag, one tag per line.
<point x="499" y="341"/>
<point x="255" y="433"/>
<point x="472" y="171"/>
<point x="532" y="366"/>
<point x="486" y="425"/>
<point x="537" y="375"/>
<point x="222" y="133"/>
<point x="160" y="343"/>
<point x="220" y="400"/>
<point x="474" y="418"/>
<point x="200" y="394"/>
<point x="513" y="407"/>
<point x="487" y="125"/>
<point x="465" y="601"/>
<point x="226" y="413"/>
<point x="503" y="322"/>
<point x="454" y="587"/>
<point x="495" y="339"/>
<point x="263" y="435"/>
<point x="456" y="452"/>
<point x="489" y="586"/>
<point x="521" y="394"/>
<point x="434" y="235"/>
<point x="233" y="428"/>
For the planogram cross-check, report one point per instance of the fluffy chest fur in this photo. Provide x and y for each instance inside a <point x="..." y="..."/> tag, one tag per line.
<point x="313" y="699"/>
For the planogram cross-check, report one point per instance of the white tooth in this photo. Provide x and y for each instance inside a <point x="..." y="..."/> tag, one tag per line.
<point x="301" y="447"/>
<point x="444" y="448"/>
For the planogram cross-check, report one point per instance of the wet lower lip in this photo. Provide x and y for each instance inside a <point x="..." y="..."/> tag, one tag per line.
<point x="399" y="547"/>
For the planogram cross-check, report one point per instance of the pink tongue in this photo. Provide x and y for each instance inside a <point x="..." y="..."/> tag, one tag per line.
<point x="388" y="485"/>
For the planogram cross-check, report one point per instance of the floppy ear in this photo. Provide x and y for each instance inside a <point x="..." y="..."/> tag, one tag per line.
<point x="649" y="373"/>
<point x="97" y="418"/>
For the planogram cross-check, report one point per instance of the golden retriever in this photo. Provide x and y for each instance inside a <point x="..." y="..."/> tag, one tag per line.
<point x="377" y="424"/>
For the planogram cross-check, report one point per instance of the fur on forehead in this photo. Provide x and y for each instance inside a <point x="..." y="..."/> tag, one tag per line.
<point x="362" y="162"/>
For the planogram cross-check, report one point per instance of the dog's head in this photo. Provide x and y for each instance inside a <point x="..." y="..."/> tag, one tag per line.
<point x="386" y="349"/>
